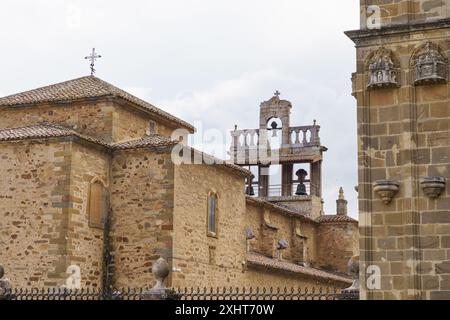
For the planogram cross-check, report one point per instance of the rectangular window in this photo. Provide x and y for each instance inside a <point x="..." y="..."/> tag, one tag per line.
<point x="97" y="205"/>
<point x="212" y="212"/>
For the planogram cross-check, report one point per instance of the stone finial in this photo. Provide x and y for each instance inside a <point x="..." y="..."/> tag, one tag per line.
<point x="352" y="292"/>
<point x="341" y="194"/>
<point x="341" y="203"/>
<point x="5" y="284"/>
<point x="160" y="270"/>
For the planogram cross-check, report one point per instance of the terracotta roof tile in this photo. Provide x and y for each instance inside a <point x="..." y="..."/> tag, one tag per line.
<point x="82" y="88"/>
<point x="153" y="140"/>
<point x="259" y="260"/>
<point x="332" y="218"/>
<point x="281" y="208"/>
<point x="43" y="131"/>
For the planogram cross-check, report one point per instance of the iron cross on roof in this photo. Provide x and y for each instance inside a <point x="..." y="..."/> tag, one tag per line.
<point x="277" y="94"/>
<point x="93" y="57"/>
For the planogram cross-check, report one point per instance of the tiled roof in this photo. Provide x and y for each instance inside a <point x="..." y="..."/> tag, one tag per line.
<point x="209" y="159"/>
<point x="83" y="88"/>
<point x="258" y="260"/>
<point x="332" y="218"/>
<point x="43" y="131"/>
<point x="153" y="140"/>
<point x="281" y="208"/>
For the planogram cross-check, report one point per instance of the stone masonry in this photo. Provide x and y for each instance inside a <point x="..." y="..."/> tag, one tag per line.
<point x="89" y="184"/>
<point x="403" y="149"/>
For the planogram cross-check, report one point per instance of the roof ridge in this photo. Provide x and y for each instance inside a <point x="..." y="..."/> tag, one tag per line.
<point x="46" y="86"/>
<point x="87" y="87"/>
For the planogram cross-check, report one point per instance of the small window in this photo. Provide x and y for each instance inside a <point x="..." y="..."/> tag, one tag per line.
<point x="97" y="205"/>
<point x="151" y="127"/>
<point x="212" y="214"/>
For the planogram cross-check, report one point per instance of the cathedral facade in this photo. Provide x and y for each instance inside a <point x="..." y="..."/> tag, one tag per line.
<point x="90" y="188"/>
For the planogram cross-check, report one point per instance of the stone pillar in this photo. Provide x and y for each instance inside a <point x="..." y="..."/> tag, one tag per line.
<point x="341" y="204"/>
<point x="316" y="179"/>
<point x="286" y="179"/>
<point x="263" y="181"/>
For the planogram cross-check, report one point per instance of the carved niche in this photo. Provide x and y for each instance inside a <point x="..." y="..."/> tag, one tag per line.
<point x="430" y="65"/>
<point x="383" y="72"/>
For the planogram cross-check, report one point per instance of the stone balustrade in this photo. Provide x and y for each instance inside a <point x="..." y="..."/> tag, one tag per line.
<point x="302" y="136"/>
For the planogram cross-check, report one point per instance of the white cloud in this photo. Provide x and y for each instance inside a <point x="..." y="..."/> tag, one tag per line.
<point x="213" y="61"/>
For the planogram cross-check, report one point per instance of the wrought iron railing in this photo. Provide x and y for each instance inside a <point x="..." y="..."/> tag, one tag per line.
<point x="22" y="294"/>
<point x="258" y="294"/>
<point x="276" y="190"/>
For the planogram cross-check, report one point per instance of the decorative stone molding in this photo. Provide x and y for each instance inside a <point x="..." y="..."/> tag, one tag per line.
<point x="382" y="70"/>
<point x="430" y="65"/>
<point x="386" y="190"/>
<point x="433" y="186"/>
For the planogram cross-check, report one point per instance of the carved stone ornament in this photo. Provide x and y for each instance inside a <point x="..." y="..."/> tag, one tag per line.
<point x="160" y="270"/>
<point x="433" y="186"/>
<point x="386" y="190"/>
<point x="430" y="66"/>
<point x="5" y="284"/>
<point x="382" y="70"/>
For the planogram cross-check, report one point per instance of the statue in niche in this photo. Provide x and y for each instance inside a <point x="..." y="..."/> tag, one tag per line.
<point x="382" y="70"/>
<point x="430" y="66"/>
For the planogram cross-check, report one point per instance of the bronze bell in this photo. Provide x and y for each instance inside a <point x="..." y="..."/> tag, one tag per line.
<point x="249" y="190"/>
<point x="301" y="188"/>
<point x="274" y="126"/>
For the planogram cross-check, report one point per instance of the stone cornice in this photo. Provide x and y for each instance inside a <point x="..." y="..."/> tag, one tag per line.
<point x="359" y="35"/>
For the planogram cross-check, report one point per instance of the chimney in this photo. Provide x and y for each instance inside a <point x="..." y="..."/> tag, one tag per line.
<point x="341" y="204"/>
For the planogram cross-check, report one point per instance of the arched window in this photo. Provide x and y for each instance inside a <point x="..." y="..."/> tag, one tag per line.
<point x="212" y="214"/>
<point x="97" y="208"/>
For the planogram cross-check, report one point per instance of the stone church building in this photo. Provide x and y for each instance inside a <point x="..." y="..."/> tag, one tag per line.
<point x="90" y="189"/>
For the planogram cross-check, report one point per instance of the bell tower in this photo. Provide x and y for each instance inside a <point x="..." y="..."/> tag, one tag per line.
<point x="297" y="151"/>
<point x="401" y="86"/>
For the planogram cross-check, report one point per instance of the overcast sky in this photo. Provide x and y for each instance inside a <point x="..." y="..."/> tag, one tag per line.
<point x="209" y="62"/>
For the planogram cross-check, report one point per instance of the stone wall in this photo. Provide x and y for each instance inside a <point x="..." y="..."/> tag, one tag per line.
<point x="337" y="243"/>
<point x="142" y="193"/>
<point x="35" y="185"/>
<point x="105" y="120"/>
<point x="91" y="118"/>
<point x="403" y="135"/>
<point x="201" y="260"/>
<point x="129" y="124"/>
<point x="44" y="222"/>
<point x="265" y="221"/>
<point x="85" y="243"/>
<point x="398" y="12"/>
